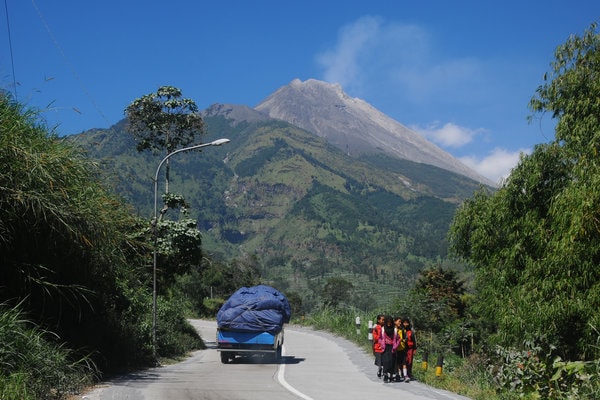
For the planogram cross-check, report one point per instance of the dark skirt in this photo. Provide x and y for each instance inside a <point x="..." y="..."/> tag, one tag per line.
<point x="388" y="360"/>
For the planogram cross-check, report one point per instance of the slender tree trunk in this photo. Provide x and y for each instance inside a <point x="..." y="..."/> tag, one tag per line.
<point x="167" y="176"/>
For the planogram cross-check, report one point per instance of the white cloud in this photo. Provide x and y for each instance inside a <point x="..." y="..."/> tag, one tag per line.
<point x="370" y="50"/>
<point x="448" y="135"/>
<point x="341" y="65"/>
<point x="372" y="55"/>
<point x="497" y="165"/>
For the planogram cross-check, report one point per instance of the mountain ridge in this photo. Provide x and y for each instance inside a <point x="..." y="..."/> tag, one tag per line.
<point x="354" y="126"/>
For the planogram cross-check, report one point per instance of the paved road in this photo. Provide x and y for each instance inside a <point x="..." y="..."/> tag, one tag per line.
<point x="315" y="366"/>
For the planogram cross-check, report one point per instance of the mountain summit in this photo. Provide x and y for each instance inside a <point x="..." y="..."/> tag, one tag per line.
<point x="355" y="126"/>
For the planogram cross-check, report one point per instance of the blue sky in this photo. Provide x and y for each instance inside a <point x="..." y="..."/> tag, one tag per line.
<point x="459" y="72"/>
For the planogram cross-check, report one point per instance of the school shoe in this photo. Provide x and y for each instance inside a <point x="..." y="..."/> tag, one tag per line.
<point x="379" y="373"/>
<point x="398" y="378"/>
<point x="407" y="379"/>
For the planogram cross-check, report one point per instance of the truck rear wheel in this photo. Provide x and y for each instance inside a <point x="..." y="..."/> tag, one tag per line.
<point x="225" y="359"/>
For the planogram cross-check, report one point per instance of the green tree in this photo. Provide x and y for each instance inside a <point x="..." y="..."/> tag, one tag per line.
<point x="535" y="243"/>
<point x="224" y="279"/>
<point x="163" y="122"/>
<point x="441" y="292"/>
<point x="178" y="248"/>
<point x="336" y="291"/>
<point x="208" y="286"/>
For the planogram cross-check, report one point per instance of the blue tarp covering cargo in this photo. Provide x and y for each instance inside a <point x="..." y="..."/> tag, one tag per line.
<point x="255" y="309"/>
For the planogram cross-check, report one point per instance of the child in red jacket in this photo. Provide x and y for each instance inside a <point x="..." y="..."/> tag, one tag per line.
<point x="377" y="349"/>
<point x="411" y="348"/>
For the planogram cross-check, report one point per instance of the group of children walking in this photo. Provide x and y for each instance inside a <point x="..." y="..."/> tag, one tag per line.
<point x="394" y="346"/>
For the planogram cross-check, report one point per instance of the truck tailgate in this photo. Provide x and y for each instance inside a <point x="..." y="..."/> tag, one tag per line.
<point x="235" y="339"/>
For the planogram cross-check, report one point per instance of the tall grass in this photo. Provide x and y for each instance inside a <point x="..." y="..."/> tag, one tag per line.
<point x="469" y="377"/>
<point x="33" y="366"/>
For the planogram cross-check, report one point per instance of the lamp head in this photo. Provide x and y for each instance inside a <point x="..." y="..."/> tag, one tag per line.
<point x="219" y="142"/>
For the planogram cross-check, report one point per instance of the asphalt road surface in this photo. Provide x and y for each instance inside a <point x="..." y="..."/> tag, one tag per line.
<point x="315" y="366"/>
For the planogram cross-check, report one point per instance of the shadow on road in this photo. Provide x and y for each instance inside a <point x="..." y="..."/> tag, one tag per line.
<point x="135" y="377"/>
<point x="291" y="360"/>
<point x="262" y="359"/>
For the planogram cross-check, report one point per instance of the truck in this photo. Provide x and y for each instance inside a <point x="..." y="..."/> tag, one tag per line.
<point x="251" y="322"/>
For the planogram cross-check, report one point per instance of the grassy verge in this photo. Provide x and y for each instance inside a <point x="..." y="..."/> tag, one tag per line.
<point x="466" y="377"/>
<point x="33" y="366"/>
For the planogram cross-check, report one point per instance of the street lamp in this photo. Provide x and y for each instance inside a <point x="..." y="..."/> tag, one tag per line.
<point x="217" y="142"/>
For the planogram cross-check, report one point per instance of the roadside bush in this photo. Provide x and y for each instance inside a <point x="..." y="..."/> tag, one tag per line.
<point x="72" y="261"/>
<point x="474" y="374"/>
<point x="32" y="366"/>
<point x="537" y="373"/>
<point x="175" y="336"/>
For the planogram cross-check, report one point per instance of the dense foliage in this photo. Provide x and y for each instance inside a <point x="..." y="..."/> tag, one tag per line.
<point x="64" y="237"/>
<point x="535" y="243"/>
<point x="70" y="266"/>
<point x="164" y="121"/>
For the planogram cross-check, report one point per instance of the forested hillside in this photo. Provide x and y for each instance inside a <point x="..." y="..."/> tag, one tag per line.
<point x="306" y="210"/>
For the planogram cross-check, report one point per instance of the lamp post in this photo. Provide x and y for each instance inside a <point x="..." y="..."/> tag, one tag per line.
<point x="217" y="142"/>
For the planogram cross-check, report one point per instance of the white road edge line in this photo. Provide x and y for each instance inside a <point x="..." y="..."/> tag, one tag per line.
<point x="283" y="382"/>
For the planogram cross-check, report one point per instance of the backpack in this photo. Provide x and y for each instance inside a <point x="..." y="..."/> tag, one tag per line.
<point x="410" y="339"/>
<point x="402" y="345"/>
